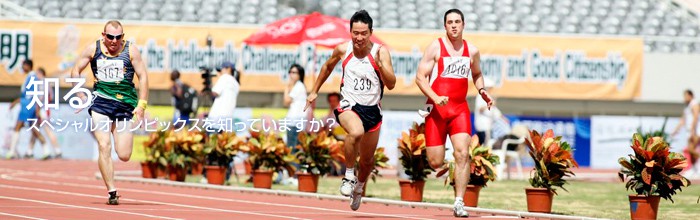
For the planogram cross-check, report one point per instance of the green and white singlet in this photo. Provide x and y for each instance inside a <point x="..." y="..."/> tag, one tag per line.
<point x="114" y="75"/>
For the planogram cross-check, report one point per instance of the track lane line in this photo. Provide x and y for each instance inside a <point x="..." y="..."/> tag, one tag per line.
<point x="79" y="207"/>
<point x="217" y="199"/>
<point x="143" y="201"/>
<point x="20" y="216"/>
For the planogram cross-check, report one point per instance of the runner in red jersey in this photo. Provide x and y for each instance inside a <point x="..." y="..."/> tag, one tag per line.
<point x="446" y="88"/>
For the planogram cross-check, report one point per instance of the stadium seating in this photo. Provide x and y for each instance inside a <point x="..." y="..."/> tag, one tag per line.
<point x="654" y="19"/>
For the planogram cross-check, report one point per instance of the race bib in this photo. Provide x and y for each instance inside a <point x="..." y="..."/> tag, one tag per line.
<point x="456" y="67"/>
<point x="110" y="70"/>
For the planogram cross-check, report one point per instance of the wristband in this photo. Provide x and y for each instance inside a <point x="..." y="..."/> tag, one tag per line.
<point x="142" y="104"/>
<point x="480" y="90"/>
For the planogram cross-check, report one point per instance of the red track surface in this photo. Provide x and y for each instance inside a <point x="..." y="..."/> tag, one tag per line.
<point x="68" y="190"/>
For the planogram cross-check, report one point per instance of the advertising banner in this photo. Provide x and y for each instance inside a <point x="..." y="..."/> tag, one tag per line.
<point x="611" y="137"/>
<point x="575" y="131"/>
<point x="523" y="66"/>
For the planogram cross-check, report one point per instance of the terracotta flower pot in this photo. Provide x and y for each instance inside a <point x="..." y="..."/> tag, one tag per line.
<point x="539" y="200"/>
<point x="471" y="195"/>
<point x="161" y="172"/>
<point x="412" y="191"/>
<point x="216" y="174"/>
<point x="176" y="173"/>
<point x="248" y="167"/>
<point x="148" y="170"/>
<point x="262" y="179"/>
<point x="197" y="168"/>
<point x="308" y="182"/>
<point x="644" y="207"/>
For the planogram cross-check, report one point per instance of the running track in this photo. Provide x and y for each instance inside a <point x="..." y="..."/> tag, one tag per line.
<point x="61" y="189"/>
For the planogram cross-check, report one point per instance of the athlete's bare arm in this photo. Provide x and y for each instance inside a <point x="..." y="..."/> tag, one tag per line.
<point x="386" y="68"/>
<point x="326" y="70"/>
<point x="140" y="71"/>
<point x="681" y="123"/>
<point x="477" y="77"/>
<point x="13" y="103"/>
<point x="425" y="68"/>
<point x="82" y="62"/>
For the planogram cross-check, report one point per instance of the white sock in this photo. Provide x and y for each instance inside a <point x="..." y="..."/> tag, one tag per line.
<point x="30" y="150"/>
<point x="13" y="143"/>
<point x="359" y="186"/>
<point x="47" y="150"/>
<point x="350" y="173"/>
<point x="458" y="199"/>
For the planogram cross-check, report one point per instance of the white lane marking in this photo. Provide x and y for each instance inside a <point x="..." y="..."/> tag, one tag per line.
<point x="221" y="199"/>
<point x="146" y="201"/>
<point x="20" y="216"/>
<point x="78" y="207"/>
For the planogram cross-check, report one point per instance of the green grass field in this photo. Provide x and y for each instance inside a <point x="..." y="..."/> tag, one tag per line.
<point x="591" y="199"/>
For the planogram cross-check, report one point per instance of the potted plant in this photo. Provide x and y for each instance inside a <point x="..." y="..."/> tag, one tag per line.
<point x="653" y="172"/>
<point x="314" y="158"/>
<point x="199" y="157"/>
<point x="481" y="171"/>
<point x="553" y="160"/>
<point x="415" y="162"/>
<point x="152" y="149"/>
<point x="179" y="157"/>
<point x="220" y="150"/>
<point x="267" y="154"/>
<point x="160" y="153"/>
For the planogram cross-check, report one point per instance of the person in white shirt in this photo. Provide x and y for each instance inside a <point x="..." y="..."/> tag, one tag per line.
<point x="225" y="93"/>
<point x="690" y="120"/>
<point x="295" y="99"/>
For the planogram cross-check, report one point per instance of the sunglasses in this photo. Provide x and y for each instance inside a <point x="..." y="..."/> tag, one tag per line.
<point x="112" y="37"/>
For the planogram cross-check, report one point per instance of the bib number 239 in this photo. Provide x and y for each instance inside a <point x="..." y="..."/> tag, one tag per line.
<point x="362" y="84"/>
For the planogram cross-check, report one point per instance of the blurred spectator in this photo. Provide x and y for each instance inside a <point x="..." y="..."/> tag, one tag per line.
<point x="184" y="100"/>
<point x="690" y="120"/>
<point x="44" y="115"/>
<point x="333" y="103"/>
<point x="295" y="99"/>
<point x="225" y="94"/>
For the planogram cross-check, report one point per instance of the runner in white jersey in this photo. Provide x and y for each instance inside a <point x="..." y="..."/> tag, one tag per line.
<point x="690" y="120"/>
<point x="366" y="70"/>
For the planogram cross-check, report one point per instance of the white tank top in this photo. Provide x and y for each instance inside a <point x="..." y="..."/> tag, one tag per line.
<point x="361" y="83"/>
<point x="688" y="113"/>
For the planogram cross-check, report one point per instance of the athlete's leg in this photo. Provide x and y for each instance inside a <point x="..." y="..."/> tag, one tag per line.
<point x="353" y="125"/>
<point x="123" y="139"/>
<point x="692" y="144"/>
<point x="30" y="146"/>
<point x="36" y="134"/>
<point x="435" y="134"/>
<point x="368" y="145"/>
<point x="54" y="141"/>
<point x="104" y="143"/>
<point x="461" y="154"/>
<point x="351" y="122"/>
<point x="14" y="140"/>
<point x="460" y="130"/>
